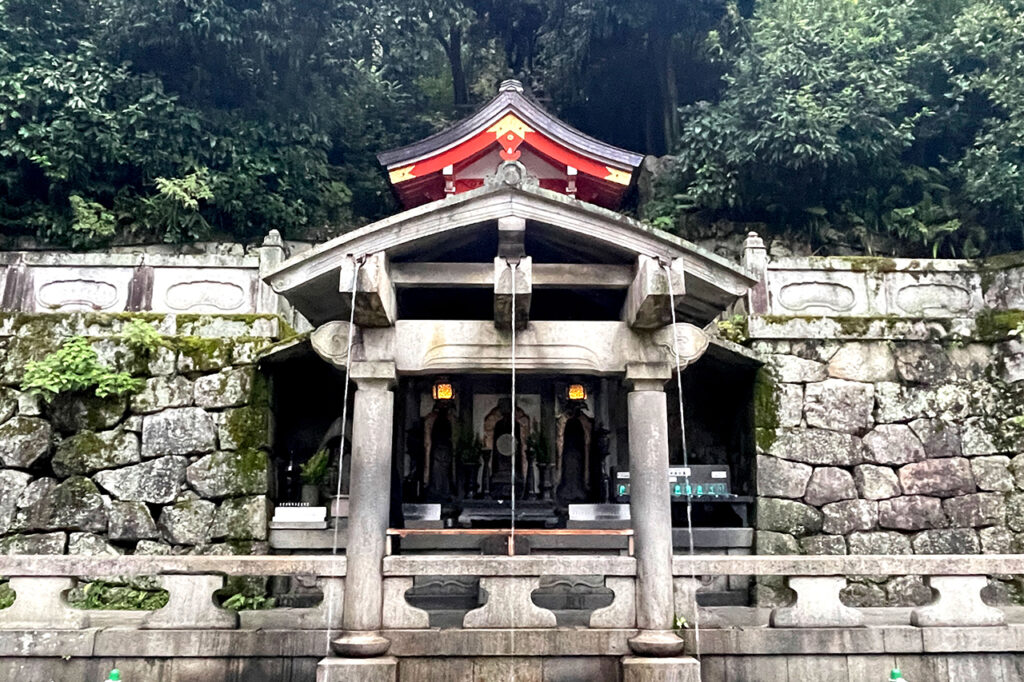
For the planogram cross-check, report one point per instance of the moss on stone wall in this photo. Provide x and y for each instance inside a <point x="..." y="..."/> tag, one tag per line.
<point x="766" y="408"/>
<point x="998" y="325"/>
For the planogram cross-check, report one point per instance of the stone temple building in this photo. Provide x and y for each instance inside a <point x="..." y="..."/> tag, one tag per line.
<point x="510" y="433"/>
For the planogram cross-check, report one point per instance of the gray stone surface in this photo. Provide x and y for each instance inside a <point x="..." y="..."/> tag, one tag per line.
<point x="823" y="544"/>
<point x="88" y="452"/>
<point x="829" y="484"/>
<point x="13" y="484"/>
<point x="23" y="441"/>
<point x="229" y="388"/>
<point x="72" y="504"/>
<point x="157" y="481"/>
<point x="790" y="369"/>
<point x="509" y="604"/>
<point x="230" y="473"/>
<point x="818" y="446"/>
<point x="869" y="361"/>
<point x="771" y="542"/>
<point x="996" y="540"/>
<point x="190" y="605"/>
<point x="34" y="543"/>
<point x="1015" y="512"/>
<point x="922" y="363"/>
<point x="188" y="522"/>
<point x="940" y="477"/>
<point x="879" y="542"/>
<point x="848" y="516"/>
<point x="181" y="431"/>
<point x="241" y="518"/>
<point x="876" y="482"/>
<point x="790" y="404"/>
<point x="975" y="510"/>
<point x="72" y="413"/>
<point x="907" y="590"/>
<point x="893" y="444"/>
<point x="378" y="669"/>
<point x="788" y="516"/>
<point x="90" y="544"/>
<point x="817" y="605"/>
<point x="991" y="436"/>
<point x="940" y="438"/>
<point x="9" y="399"/>
<point x="912" y="512"/>
<point x="839" y="405"/>
<point x="781" y="478"/>
<point x="162" y="392"/>
<point x="131" y="521"/>
<point x="992" y="473"/>
<point x="959" y="605"/>
<point x="947" y="541"/>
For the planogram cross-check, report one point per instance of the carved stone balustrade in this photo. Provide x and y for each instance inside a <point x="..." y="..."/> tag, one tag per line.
<point x="959" y="603"/>
<point x="817" y="605"/>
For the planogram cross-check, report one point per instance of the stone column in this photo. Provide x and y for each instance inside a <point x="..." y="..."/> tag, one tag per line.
<point x="650" y="507"/>
<point x="369" y="499"/>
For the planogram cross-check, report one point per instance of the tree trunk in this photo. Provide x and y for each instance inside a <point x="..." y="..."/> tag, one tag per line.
<point x="460" y="90"/>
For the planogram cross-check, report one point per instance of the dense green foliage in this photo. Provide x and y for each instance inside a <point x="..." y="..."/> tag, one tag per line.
<point x="877" y="122"/>
<point x="76" y="368"/>
<point x="876" y="117"/>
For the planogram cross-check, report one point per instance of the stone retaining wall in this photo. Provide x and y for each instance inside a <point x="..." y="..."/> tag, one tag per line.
<point x="179" y="467"/>
<point x="886" y="434"/>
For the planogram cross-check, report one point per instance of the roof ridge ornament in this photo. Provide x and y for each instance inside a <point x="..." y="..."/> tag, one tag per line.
<point x="511" y="174"/>
<point x="511" y="85"/>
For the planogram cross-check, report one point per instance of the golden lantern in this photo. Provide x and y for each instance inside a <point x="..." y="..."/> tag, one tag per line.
<point x="443" y="390"/>
<point x="577" y="392"/>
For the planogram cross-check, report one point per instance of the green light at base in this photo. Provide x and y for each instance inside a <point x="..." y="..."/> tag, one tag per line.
<point x="622" y="488"/>
<point x="677" y="489"/>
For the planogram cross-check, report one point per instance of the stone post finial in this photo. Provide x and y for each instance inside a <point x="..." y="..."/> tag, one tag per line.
<point x="273" y="238"/>
<point x="755" y="259"/>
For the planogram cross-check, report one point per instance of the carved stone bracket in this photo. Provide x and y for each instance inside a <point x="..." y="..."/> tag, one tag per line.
<point x="509" y="605"/>
<point x="376" y="304"/>
<point x="959" y="603"/>
<point x="331" y="342"/>
<point x="817" y="605"/>
<point x="190" y="604"/>
<point x="399" y="613"/>
<point x="648" y="301"/>
<point x="621" y="613"/>
<point x="40" y="604"/>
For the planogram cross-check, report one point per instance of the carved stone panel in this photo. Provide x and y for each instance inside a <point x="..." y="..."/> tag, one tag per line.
<point x="203" y="290"/>
<point x="938" y="294"/>
<point x="831" y="293"/>
<point x="71" y="289"/>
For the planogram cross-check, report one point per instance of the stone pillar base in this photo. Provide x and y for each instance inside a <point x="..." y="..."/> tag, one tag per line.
<point x="640" y="669"/>
<point x="383" y="669"/>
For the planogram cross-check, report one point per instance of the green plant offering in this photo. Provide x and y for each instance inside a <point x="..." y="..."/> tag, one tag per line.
<point x="6" y="595"/>
<point x="76" y="368"/>
<point x="314" y="470"/>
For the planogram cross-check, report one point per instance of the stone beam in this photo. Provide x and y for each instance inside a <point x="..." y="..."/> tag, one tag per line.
<point x="503" y="292"/>
<point x="511" y="237"/>
<point x="647" y="301"/>
<point x="588" y="347"/>
<point x="375" y="293"/>
<point x="481" y="275"/>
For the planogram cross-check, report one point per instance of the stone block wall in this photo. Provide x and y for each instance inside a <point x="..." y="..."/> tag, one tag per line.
<point x="181" y="466"/>
<point x="891" y="435"/>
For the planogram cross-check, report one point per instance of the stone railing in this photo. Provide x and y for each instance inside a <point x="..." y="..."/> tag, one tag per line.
<point x="870" y="287"/>
<point x="225" y="280"/>
<point x="509" y="584"/>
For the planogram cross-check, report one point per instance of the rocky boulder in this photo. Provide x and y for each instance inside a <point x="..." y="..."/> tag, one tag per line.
<point x="229" y="388"/>
<point x="818" y="447"/>
<point x="162" y="392"/>
<point x="939" y="477"/>
<point x="157" y="481"/>
<point x="241" y="518"/>
<point x="73" y="412"/>
<point x="823" y="544"/>
<point x="181" y="431"/>
<point x="13" y="484"/>
<point x="947" y="541"/>
<point x="974" y="511"/>
<point x="781" y="478"/>
<point x="829" y="484"/>
<point x="770" y="542"/>
<point x="23" y="441"/>
<point x="876" y="482"/>
<point x="73" y="504"/>
<point x="868" y="362"/>
<point x="992" y="473"/>
<point x="922" y="363"/>
<point x="848" y="516"/>
<point x="938" y="437"/>
<point x="230" y="473"/>
<point x="188" y="522"/>
<point x="88" y="452"/>
<point x="996" y="540"/>
<point x="131" y="521"/>
<point x="787" y="516"/>
<point x="912" y="512"/>
<point x="790" y="369"/>
<point x="839" y="405"/>
<point x="893" y="444"/>
<point x="879" y="542"/>
<point x="35" y="543"/>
